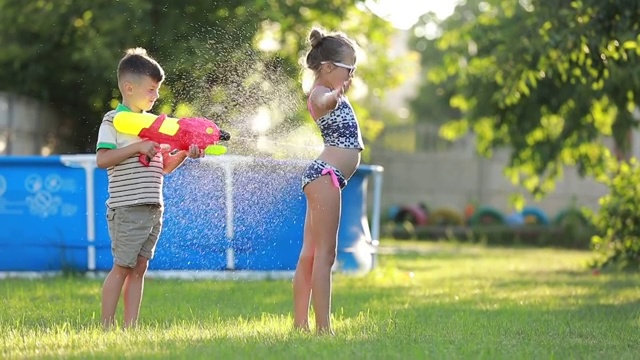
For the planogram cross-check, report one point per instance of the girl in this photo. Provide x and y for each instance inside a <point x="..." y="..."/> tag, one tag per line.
<point x="332" y="58"/>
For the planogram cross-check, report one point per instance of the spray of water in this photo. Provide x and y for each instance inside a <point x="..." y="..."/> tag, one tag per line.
<point x="252" y="97"/>
<point x="261" y="105"/>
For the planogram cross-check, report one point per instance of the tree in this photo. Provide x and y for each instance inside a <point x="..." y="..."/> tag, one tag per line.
<point x="546" y="80"/>
<point x="65" y="53"/>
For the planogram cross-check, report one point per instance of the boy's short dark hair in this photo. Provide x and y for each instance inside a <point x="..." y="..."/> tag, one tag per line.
<point x="136" y="61"/>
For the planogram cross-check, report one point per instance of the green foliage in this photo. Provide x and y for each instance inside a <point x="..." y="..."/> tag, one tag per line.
<point x="547" y="81"/>
<point x="618" y="221"/>
<point x="65" y="54"/>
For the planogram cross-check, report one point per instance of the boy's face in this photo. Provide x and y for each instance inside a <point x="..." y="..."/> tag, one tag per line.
<point x="141" y="92"/>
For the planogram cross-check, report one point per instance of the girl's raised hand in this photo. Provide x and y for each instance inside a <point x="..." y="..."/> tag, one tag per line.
<point x="346" y="86"/>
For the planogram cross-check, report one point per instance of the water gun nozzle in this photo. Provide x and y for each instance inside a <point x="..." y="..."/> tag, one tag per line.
<point x="224" y="136"/>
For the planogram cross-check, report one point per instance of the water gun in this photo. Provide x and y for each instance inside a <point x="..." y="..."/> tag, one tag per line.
<point x="178" y="134"/>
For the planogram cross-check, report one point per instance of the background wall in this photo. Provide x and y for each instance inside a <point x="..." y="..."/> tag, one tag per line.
<point x="27" y="126"/>
<point x="453" y="178"/>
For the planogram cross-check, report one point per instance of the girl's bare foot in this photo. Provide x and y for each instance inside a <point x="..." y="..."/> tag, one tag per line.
<point x="304" y="328"/>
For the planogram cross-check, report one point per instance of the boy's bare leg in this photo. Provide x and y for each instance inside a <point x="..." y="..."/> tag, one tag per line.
<point x="302" y="279"/>
<point x="133" y="288"/>
<point x="111" y="293"/>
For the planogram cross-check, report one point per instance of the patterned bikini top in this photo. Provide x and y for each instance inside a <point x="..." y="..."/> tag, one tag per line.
<point x="339" y="127"/>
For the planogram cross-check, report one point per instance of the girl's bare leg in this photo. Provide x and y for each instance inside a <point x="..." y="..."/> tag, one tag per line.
<point x="302" y="278"/>
<point x="324" y="204"/>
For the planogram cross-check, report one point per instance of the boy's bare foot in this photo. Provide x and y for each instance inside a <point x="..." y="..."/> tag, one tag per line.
<point x="325" y="332"/>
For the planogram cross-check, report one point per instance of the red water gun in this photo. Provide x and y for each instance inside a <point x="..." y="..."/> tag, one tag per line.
<point x="178" y="134"/>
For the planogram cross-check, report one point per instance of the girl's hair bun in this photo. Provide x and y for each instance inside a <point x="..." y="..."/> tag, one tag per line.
<point x="315" y="37"/>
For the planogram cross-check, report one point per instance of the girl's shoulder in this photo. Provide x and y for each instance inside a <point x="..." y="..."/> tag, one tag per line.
<point x="318" y="89"/>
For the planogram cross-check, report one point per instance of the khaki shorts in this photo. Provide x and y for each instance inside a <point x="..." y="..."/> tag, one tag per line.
<point x="134" y="231"/>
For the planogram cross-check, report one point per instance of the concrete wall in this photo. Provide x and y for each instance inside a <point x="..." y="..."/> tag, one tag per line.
<point x="26" y="126"/>
<point x="456" y="177"/>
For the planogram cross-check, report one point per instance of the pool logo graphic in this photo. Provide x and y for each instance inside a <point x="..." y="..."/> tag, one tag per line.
<point x="43" y="203"/>
<point x="53" y="182"/>
<point x="33" y="183"/>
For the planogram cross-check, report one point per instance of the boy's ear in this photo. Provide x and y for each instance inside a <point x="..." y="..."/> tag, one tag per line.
<point x="127" y="86"/>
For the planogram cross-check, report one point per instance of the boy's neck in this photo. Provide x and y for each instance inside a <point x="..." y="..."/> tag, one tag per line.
<point x="130" y="106"/>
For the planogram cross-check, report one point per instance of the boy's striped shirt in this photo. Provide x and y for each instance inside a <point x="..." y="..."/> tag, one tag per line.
<point x="130" y="182"/>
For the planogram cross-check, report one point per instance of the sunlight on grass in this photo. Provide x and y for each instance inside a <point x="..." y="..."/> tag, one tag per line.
<point x="435" y="301"/>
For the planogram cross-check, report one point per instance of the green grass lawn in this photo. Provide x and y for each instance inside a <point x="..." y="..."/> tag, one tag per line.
<point x="430" y="301"/>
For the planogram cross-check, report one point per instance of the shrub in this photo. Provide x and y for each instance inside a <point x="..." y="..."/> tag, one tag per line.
<point x="617" y="239"/>
<point x="503" y="235"/>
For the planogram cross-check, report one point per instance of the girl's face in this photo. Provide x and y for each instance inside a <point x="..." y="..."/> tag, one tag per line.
<point x="338" y="73"/>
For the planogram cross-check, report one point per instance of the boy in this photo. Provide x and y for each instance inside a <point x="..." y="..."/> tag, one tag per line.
<point x="135" y="204"/>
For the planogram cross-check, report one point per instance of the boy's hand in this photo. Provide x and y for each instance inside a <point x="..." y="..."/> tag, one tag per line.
<point x="194" y="152"/>
<point x="149" y="148"/>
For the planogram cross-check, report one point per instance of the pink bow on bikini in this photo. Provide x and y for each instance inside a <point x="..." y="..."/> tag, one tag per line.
<point x="333" y="175"/>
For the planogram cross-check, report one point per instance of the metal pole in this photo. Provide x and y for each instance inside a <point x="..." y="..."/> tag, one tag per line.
<point x="376" y="211"/>
<point x="8" y="148"/>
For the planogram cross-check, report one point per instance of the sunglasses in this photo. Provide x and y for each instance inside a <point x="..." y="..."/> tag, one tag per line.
<point x="351" y="68"/>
